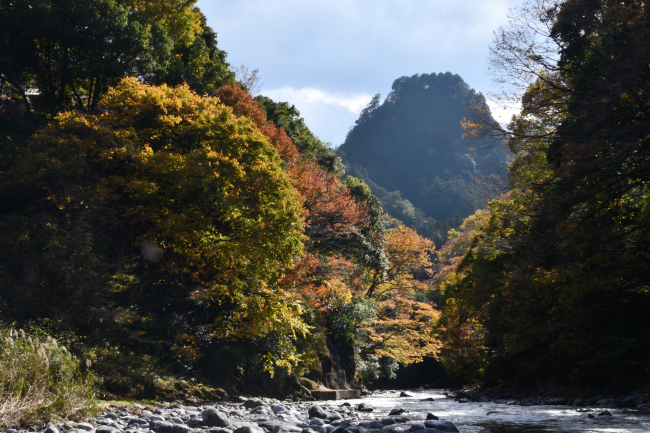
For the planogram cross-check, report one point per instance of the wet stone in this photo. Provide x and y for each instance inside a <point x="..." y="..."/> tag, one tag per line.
<point x="446" y="426"/>
<point x="317" y="412"/>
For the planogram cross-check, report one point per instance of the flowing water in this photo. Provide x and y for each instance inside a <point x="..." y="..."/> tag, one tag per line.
<point x="502" y="418"/>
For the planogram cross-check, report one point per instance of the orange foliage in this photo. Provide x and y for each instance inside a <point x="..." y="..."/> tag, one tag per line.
<point x="331" y="212"/>
<point x="243" y="104"/>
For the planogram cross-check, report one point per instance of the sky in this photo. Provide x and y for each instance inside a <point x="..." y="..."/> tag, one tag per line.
<point x="330" y="57"/>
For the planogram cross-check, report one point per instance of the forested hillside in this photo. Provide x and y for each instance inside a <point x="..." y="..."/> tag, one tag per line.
<point x="410" y="149"/>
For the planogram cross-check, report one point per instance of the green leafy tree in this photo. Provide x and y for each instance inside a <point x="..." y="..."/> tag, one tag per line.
<point x="556" y="283"/>
<point x="70" y="52"/>
<point x="288" y="117"/>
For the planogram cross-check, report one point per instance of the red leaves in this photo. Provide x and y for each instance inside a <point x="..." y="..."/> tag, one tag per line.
<point x="331" y="212"/>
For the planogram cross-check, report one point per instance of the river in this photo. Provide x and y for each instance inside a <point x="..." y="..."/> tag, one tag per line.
<point x="503" y="418"/>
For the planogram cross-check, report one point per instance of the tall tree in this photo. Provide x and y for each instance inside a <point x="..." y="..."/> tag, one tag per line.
<point x="163" y="221"/>
<point x="555" y="282"/>
<point x="67" y="53"/>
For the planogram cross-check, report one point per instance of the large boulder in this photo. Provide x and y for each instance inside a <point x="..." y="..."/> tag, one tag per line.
<point x="253" y="402"/>
<point x="333" y="416"/>
<point x="166" y="427"/>
<point x="214" y="418"/>
<point x="317" y="412"/>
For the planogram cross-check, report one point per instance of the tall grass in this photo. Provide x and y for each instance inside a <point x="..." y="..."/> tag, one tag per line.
<point x="40" y="380"/>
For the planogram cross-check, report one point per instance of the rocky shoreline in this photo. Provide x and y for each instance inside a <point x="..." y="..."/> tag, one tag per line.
<point x="638" y="401"/>
<point x="257" y="415"/>
<point x="246" y="416"/>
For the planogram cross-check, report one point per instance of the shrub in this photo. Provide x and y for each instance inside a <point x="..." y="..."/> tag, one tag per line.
<point x="40" y="380"/>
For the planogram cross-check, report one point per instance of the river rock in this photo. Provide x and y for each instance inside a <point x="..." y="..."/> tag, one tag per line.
<point x="317" y="412"/>
<point x="555" y="401"/>
<point x="401" y="419"/>
<point x="373" y="425"/>
<point x="416" y="427"/>
<point x="404" y="394"/>
<point x="217" y="430"/>
<point x="364" y="408"/>
<point x="214" y="418"/>
<point x="441" y="425"/>
<point x="316" y="421"/>
<point x="390" y="429"/>
<point x="164" y="427"/>
<point x="261" y="410"/>
<point x="249" y="429"/>
<point x="278" y="426"/>
<point x="278" y="408"/>
<point x="332" y="416"/>
<point x="252" y="403"/>
<point x="112" y="429"/>
<point x="51" y="429"/>
<point x="194" y="421"/>
<point x="432" y="416"/>
<point x="397" y="412"/>
<point x="428" y="399"/>
<point x="387" y="421"/>
<point x="605" y="413"/>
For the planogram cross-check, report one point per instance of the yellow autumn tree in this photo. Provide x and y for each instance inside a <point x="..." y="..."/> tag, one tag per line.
<point x="404" y="323"/>
<point x="163" y="216"/>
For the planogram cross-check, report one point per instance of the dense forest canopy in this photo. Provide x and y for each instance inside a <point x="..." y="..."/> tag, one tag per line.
<point x="163" y="221"/>
<point x="411" y="147"/>
<point x="554" y="285"/>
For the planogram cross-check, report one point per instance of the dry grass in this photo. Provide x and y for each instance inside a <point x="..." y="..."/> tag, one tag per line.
<point x="39" y="381"/>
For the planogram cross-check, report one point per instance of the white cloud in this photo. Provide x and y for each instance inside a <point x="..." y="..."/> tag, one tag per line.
<point x="502" y="111"/>
<point x="310" y="96"/>
<point x="329" y="58"/>
<point x="328" y="115"/>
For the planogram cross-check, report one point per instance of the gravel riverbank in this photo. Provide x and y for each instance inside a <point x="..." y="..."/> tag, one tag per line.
<point x="250" y="416"/>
